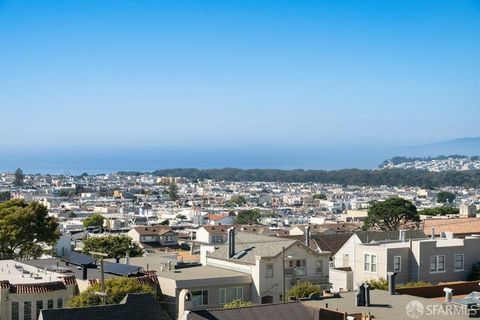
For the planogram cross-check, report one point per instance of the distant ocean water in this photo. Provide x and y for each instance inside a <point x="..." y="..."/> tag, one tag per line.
<point x="94" y="160"/>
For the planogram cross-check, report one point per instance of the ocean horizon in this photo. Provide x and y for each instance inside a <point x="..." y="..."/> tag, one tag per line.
<point x="96" y="160"/>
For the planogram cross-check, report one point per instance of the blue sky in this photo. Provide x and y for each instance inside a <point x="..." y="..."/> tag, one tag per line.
<point x="220" y="73"/>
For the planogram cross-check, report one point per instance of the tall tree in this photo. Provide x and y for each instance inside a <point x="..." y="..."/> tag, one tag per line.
<point x="249" y="216"/>
<point x="445" y="197"/>
<point x="95" y="220"/>
<point x="391" y="214"/>
<point x="114" y="246"/>
<point x="237" y="200"/>
<point x="25" y="229"/>
<point x="173" y="191"/>
<point x="19" y="178"/>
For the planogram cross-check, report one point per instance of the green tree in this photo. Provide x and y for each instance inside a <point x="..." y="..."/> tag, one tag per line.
<point x="181" y="217"/>
<point x="116" y="289"/>
<point x="303" y="289"/>
<point x="95" y="220"/>
<point x="237" y="200"/>
<point x="238" y="303"/>
<point x="440" y="211"/>
<point x="445" y="197"/>
<point x="19" y="178"/>
<point x="5" y="196"/>
<point x="114" y="246"/>
<point x="25" y="229"/>
<point x="249" y="216"/>
<point x="173" y="191"/>
<point x="320" y="196"/>
<point x="391" y="214"/>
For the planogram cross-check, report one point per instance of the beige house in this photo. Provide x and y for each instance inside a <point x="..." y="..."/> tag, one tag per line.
<point x="202" y="287"/>
<point x="431" y="260"/>
<point x="274" y="264"/>
<point x="154" y="237"/>
<point x="25" y="290"/>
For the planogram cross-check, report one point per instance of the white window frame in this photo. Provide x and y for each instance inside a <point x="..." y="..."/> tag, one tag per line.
<point x="370" y="260"/>
<point x="319" y="267"/>
<point x="268" y="270"/>
<point x="203" y="291"/>
<point x="455" y="262"/>
<point x="222" y="294"/>
<point x="437" y="269"/>
<point x="395" y="269"/>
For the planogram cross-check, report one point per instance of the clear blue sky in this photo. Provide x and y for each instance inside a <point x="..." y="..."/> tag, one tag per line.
<point x="90" y="72"/>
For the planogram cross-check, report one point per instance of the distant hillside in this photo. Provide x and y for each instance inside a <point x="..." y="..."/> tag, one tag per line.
<point x="399" y="159"/>
<point x="469" y="146"/>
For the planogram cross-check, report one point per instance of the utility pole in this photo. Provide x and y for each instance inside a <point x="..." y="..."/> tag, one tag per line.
<point x="102" y="293"/>
<point x="283" y="274"/>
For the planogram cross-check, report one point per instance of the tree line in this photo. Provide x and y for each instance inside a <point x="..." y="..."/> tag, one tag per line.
<point x="361" y="177"/>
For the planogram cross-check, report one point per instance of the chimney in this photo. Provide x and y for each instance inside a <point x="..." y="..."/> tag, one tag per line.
<point x="391" y="282"/>
<point x="448" y="294"/>
<point x="127" y="259"/>
<point x="117" y="259"/>
<point x="84" y="273"/>
<point x="402" y="235"/>
<point x="231" y="242"/>
<point x="307" y="236"/>
<point x="432" y="235"/>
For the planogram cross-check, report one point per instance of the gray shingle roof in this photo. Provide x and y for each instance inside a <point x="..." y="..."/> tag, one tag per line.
<point x="287" y="311"/>
<point x="258" y="245"/>
<point x="133" y="307"/>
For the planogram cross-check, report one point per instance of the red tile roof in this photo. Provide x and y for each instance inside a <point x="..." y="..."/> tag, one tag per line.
<point x="36" y="287"/>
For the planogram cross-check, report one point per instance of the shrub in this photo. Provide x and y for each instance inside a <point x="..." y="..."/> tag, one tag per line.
<point x="380" y="283"/>
<point x="238" y="303"/>
<point x="303" y="289"/>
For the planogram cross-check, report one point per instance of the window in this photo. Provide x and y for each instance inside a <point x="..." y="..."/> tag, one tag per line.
<point x="370" y="262"/>
<point x="15" y="310"/>
<point x="27" y="310"/>
<point x="319" y="266"/>
<point x="459" y="262"/>
<point x="199" y="297"/>
<point x="437" y="263"/>
<point x="397" y="263"/>
<point x="217" y="238"/>
<point x="229" y="294"/>
<point x="366" y="262"/>
<point x="269" y="270"/>
<point x="300" y="267"/>
<point x="39" y="307"/>
<point x="59" y="303"/>
<point x="50" y="304"/>
<point x="374" y="262"/>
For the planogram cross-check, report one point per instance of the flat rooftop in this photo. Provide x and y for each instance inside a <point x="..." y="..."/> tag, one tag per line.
<point x="202" y="273"/>
<point x="17" y="272"/>
<point x="55" y="263"/>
